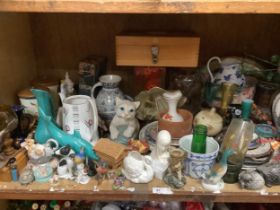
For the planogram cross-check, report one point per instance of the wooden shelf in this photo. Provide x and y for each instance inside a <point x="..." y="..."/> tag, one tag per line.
<point x="192" y="192"/>
<point x="142" y="6"/>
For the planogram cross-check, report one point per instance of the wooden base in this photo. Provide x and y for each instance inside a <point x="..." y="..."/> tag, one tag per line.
<point x="193" y="191"/>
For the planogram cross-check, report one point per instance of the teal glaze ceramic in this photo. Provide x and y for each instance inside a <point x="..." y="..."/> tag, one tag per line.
<point x="47" y="128"/>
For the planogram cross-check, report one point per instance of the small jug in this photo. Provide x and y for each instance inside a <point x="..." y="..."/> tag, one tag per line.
<point x="80" y="117"/>
<point x="230" y="72"/>
<point x="106" y="98"/>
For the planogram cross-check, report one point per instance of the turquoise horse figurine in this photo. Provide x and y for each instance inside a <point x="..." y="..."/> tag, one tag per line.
<point x="47" y="128"/>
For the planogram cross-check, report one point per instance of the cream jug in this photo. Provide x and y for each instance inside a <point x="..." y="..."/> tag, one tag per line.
<point x="230" y="71"/>
<point x="80" y="117"/>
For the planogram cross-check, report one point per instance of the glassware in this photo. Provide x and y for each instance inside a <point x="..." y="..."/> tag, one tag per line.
<point x="238" y="136"/>
<point x="8" y="120"/>
<point x="199" y="139"/>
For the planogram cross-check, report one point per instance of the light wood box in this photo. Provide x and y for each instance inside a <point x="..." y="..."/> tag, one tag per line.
<point x="173" y="51"/>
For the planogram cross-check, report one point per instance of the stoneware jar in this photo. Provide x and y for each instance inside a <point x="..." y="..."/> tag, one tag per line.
<point x="196" y="164"/>
<point x="211" y="119"/>
<point x="28" y="100"/>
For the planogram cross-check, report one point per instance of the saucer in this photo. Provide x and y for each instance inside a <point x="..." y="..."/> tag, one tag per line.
<point x="150" y="131"/>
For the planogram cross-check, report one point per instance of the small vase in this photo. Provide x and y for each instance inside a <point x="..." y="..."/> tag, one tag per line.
<point x="172" y="99"/>
<point x="106" y="98"/>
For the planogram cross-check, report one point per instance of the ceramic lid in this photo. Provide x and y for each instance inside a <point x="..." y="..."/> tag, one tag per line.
<point x="25" y="93"/>
<point x="210" y="115"/>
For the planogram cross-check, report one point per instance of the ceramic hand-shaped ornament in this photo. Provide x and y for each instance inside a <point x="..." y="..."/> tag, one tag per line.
<point x="212" y="180"/>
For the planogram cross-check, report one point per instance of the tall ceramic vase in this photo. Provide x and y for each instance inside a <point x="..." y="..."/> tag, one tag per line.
<point x="172" y="98"/>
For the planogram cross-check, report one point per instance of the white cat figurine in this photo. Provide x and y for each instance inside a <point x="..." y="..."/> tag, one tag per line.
<point x="124" y="125"/>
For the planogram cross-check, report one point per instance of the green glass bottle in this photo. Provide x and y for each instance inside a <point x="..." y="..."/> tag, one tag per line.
<point x="199" y="139"/>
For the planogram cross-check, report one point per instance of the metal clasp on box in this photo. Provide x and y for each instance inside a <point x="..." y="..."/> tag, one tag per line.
<point x="155" y="53"/>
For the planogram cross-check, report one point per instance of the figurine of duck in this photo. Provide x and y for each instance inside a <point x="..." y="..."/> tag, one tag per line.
<point x="212" y="180"/>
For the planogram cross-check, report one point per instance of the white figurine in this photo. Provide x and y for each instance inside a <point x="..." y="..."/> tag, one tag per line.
<point x="124" y="125"/>
<point x="138" y="168"/>
<point x="66" y="87"/>
<point x="66" y="164"/>
<point x="82" y="177"/>
<point x="160" y="154"/>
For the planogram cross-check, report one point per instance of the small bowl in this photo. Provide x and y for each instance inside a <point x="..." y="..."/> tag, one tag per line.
<point x="196" y="164"/>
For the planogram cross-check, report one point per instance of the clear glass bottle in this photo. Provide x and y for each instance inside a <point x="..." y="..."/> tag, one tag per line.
<point x="238" y="136"/>
<point x="199" y="139"/>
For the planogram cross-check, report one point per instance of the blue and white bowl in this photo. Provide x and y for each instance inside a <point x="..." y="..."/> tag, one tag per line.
<point x="196" y="164"/>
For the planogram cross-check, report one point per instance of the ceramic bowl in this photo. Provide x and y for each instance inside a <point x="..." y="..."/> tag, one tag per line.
<point x="177" y="129"/>
<point x="196" y="165"/>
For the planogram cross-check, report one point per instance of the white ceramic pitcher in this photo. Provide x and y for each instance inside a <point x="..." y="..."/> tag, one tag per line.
<point x="80" y="117"/>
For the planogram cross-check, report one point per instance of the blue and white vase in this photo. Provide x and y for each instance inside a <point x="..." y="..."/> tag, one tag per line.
<point x="106" y="98"/>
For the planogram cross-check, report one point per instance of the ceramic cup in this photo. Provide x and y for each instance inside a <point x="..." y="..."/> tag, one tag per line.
<point x="196" y="165"/>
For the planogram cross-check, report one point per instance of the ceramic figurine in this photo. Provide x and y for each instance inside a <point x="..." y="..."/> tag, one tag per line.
<point x="66" y="87"/>
<point x="65" y="168"/>
<point x="160" y="154"/>
<point x="251" y="180"/>
<point x="106" y="98"/>
<point x="138" y="168"/>
<point x="66" y="164"/>
<point x="174" y="175"/>
<point x="81" y="171"/>
<point x="172" y="99"/>
<point x="47" y="128"/>
<point x="40" y="153"/>
<point x="141" y="146"/>
<point x="212" y="180"/>
<point x="82" y="177"/>
<point x="124" y="125"/>
<point x="211" y="119"/>
<point x="271" y="173"/>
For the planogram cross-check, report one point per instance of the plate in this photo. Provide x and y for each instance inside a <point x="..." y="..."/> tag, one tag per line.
<point x="150" y="131"/>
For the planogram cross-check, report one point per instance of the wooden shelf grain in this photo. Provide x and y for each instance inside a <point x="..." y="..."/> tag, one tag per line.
<point x="69" y="190"/>
<point x="143" y="6"/>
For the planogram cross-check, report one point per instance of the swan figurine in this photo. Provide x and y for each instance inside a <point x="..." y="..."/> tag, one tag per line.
<point x="138" y="168"/>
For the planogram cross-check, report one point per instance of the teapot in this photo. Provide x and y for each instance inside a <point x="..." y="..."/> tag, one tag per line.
<point x="230" y="71"/>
